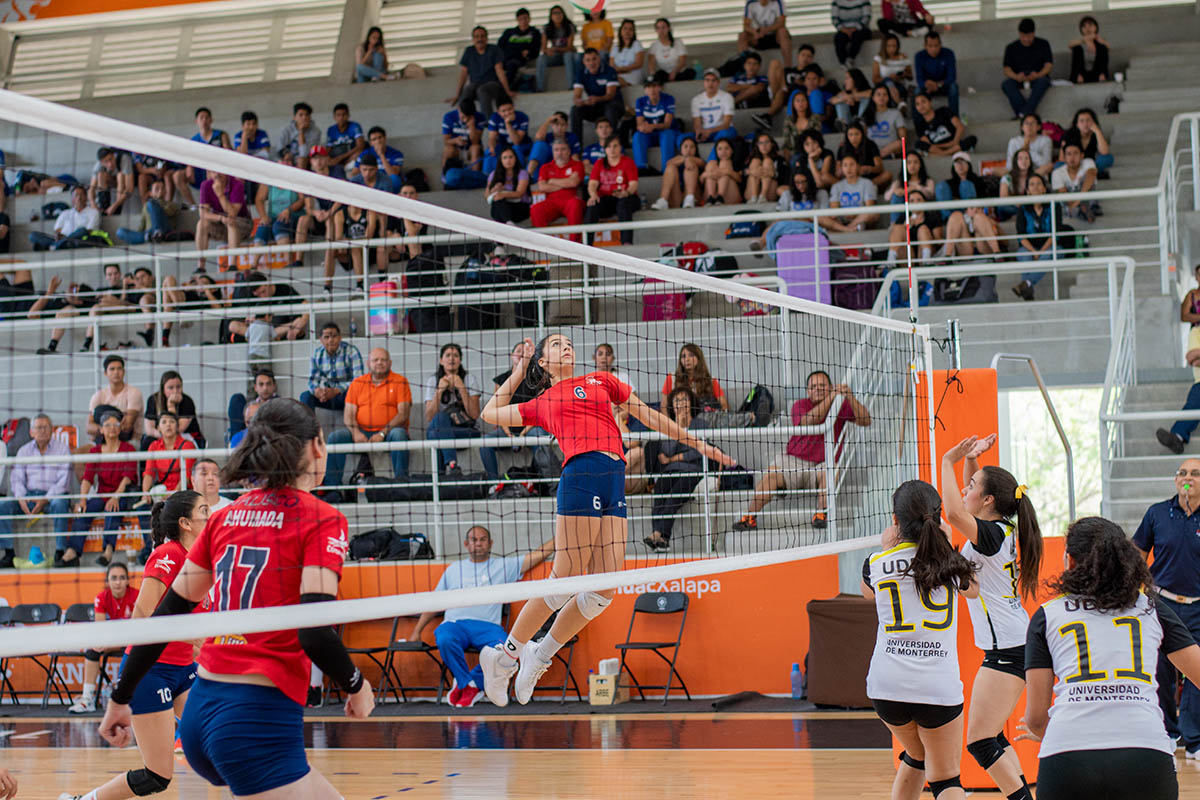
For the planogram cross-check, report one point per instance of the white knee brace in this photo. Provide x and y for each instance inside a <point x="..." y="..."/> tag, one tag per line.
<point x="591" y="604"/>
<point x="557" y="601"/>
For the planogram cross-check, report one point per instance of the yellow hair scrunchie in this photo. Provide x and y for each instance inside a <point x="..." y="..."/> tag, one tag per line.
<point x="1021" y="491"/>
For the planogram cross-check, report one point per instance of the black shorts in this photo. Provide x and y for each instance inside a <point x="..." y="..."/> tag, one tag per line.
<point x="768" y="42"/>
<point x="1010" y="660"/>
<point x="1125" y="773"/>
<point x="894" y="712"/>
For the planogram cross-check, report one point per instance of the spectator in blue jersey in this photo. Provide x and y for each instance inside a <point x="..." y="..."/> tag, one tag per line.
<point x="481" y="77"/>
<point x="507" y="127"/>
<point x="462" y="147"/>
<point x="749" y="87"/>
<point x="333" y="365"/>
<point x="390" y="160"/>
<point x="344" y="140"/>
<point x="251" y="139"/>
<point x="520" y="46"/>
<point x="300" y="135"/>
<point x="712" y="110"/>
<point x="595" y="151"/>
<point x="655" y="119"/>
<point x="476" y="627"/>
<point x="764" y="28"/>
<point x="1027" y="64"/>
<point x="936" y="71"/>
<point x="596" y="94"/>
<point x="852" y="20"/>
<point x="191" y="177"/>
<point x="556" y="127"/>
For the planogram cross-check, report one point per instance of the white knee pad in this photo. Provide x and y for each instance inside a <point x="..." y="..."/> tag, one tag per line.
<point x="557" y="601"/>
<point x="591" y="604"/>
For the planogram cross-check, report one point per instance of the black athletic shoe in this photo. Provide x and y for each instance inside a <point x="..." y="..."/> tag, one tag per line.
<point x="6" y="560"/>
<point x="147" y="337"/>
<point x="763" y="120"/>
<point x="315" y="697"/>
<point x="1169" y="440"/>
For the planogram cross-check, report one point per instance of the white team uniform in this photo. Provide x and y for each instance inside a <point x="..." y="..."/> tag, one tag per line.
<point x="997" y="617"/>
<point x="916" y="652"/>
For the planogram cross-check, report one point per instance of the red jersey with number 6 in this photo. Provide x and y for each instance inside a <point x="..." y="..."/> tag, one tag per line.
<point x="578" y="412"/>
<point x="256" y="549"/>
<point x="164" y="564"/>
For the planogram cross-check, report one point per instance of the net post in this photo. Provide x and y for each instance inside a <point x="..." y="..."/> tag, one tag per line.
<point x="828" y="438"/>
<point x="437" y="501"/>
<point x="708" y="532"/>
<point x="785" y="348"/>
<point x="930" y="410"/>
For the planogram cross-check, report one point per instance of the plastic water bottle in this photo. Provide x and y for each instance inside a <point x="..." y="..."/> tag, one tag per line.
<point x="797" y="682"/>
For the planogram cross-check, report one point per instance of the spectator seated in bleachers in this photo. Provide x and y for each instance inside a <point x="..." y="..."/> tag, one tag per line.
<point x="170" y="398"/>
<point x="223" y="212"/>
<point x="475" y="627"/>
<point x="605" y="360"/>
<point x="1089" y="54"/>
<point x="371" y="58"/>
<point x="628" y="55"/>
<point x="118" y="396"/>
<point x="800" y="118"/>
<point x="692" y="373"/>
<point x="520" y="46"/>
<point x="848" y="104"/>
<point x="1085" y="130"/>
<point x="612" y="189"/>
<point x="904" y="17"/>
<point x="243" y="409"/>
<point x="508" y="127"/>
<point x="1077" y="174"/>
<point x="851" y="192"/>
<point x="936" y="71"/>
<point x="111" y="480"/>
<point x="723" y="175"/>
<point x="251" y="139"/>
<point x="206" y="480"/>
<point x="334" y="364"/>
<point x="79" y="297"/>
<point x="784" y="81"/>
<point x="452" y="410"/>
<point x="376" y="410"/>
<point x="481" y="76"/>
<point x="939" y="131"/>
<point x="749" y="86"/>
<point x="594" y="152"/>
<point x="972" y="231"/>
<point x="596" y="34"/>
<point x="157" y="221"/>
<point x="556" y="126"/>
<point x="802" y="195"/>
<point x="765" y="170"/>
<point x="70" y="226"/>
<point x="852" y="21"/>
<point x="300" y="135"/>
<point x="345" y="141"/>
<point x="112" y="180"/>
<point x="36" y="488"/>
<point x="389" y="159"/>
<point x="866" y="153"/>
<point x="923" y="228"/>
<point x="596" y="94"/>
<point x="819" y="160"/>
<point x="1039" y="145"/>
<point x="352" y="224"/>
<point x="558" y="188"/>
<point x="764" y="27"/>
<point x="462" y="147"/>
<point x="666" y="57"/>
<point x="892" y="68"/>
<point x="17" y="292"/>
<point x="163" y="475"/>
<point x="1027" y="64"/>
<point x="681" y="177"/>
<point x="712" y="110"/>
<point x="190" y="177"/>
<point x="289" y="325"/>
<point x="558" y="47"/>
<point x="654" y="126"/>
<point x="919" y="180"/>
<point x="1014" y="182"/>
<point x="150" y="169"/>
<point x="507" y="192"/>
<point x="1176" y="438"/>
<point x="1034" y="226"/>
<point x="671" y="462"/>
<point x="884" y="124"/>
<point x="115" y="601"/>
<point x="279" y="211"/>
<point x="801" y="465"/>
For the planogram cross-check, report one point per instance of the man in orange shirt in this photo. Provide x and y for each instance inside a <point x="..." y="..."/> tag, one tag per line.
<point x="377" y="407"/>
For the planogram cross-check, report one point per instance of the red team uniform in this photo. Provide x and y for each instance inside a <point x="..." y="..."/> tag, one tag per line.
<point x="112" y="608"/>
<point x="562" y="203"/>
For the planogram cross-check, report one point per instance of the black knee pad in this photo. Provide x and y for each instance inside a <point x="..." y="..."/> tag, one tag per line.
<point x="912" y="762"/>
<point x="1000" y="740"/>
<point x="937" y="787"/>
<point x="92" y="655"/>
<point x="143" y="782"/>
<point x="986" y="751"/>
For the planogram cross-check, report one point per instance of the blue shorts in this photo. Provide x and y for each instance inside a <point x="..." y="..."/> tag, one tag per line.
<point x="592" y="485"/>
<point x="161" y="686"/>
<point x="247" y="737"/>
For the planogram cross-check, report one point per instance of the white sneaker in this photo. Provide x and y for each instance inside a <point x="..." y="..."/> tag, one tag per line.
<point x="84" y="705"/>
<point x="531" y="670"/>
<point x="689" y="201"/>
<point x="660" y="204"/>
<point x="495" y="675"/>
<point x="65" y="796"/>
<point x="1192" y="754"/>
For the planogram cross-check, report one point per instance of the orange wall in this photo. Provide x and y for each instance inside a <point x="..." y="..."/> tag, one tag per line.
<point x="44" y="9"/>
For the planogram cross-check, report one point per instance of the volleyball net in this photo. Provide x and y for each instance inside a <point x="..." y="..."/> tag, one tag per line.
<point x="407" y="312"/>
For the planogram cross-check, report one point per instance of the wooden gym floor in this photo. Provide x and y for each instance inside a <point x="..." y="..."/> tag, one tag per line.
<point x="832" y="756"/>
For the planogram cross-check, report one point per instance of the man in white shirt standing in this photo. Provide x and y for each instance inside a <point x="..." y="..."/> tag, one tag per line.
<point x="206" y="479"/>
<point x="37" y="487"/>
<point x="475" y="626"/>
<point x="70" y="226"/>
<point x="712" y="110"/>
<point x="763" y="28"/>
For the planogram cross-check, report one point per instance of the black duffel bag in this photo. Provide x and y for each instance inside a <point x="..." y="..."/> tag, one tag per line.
<point x="388" y="544"/>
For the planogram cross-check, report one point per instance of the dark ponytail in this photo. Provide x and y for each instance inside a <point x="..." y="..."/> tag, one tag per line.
<point x="535" y="374"/>
<point x="165" y="515"/>
<point x="1003" y="488"/>
<point x="271" y="456"/>
<point x="918" y="510"/>
<point x="1109" y="571"/>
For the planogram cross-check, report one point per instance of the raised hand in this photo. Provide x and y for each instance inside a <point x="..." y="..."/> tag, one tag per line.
<point x="960" y="450"/>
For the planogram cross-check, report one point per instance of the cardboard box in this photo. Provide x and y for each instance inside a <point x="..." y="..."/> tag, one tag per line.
<point x="605" y="690"/>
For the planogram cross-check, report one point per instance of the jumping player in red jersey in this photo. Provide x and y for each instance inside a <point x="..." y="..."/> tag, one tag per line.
<point x="243" y="726"/>
<point x="590" y="528"/>
<point x="116" y="601"/>
<point x="176" y="523"/>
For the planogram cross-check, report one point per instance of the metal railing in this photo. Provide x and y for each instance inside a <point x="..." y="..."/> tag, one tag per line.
<point x="1119" y="376"/>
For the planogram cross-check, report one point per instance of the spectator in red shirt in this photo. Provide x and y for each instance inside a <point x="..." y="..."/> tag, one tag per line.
<point x="691" y="372"/>
<point x="800" y="467"/>
<point x="111" y="479"/>
<point x="163" y="473"/>
<point x="558" y="190"/>
<point x="115" y="601"/>
<point x="612" y="188"/>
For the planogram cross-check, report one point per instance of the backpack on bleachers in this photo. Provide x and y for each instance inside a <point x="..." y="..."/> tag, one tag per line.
<point x="15" y="435"/>
<point x="971" y="289"/>
<point x="475" y="275"/>
<point x="425" y="275"/>
<point x="761" y="403"/>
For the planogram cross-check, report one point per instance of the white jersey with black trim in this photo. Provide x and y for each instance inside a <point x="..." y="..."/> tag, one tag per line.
<point x="916" y="653"/>
<point x="1106" y="694"/>
<point x="998" y="619"/>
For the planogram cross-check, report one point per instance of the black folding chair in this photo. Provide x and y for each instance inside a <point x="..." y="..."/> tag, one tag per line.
<point x="371" y="652"/>
<point x="657" y="604"/>
<point x="5" y="683"/>
<point x="76" y="612"/>
<point x="391" y="681"/>
<point x="28" y="614"/>
<point x="568" y="677"/>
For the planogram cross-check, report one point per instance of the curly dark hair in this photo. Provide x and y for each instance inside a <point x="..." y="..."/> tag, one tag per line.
<point x="1109" y="571"/>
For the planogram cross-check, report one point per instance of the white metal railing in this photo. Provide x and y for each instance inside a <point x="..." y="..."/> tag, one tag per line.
<point x="1180" y="171"/>
<point x="1119" y="376"/>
